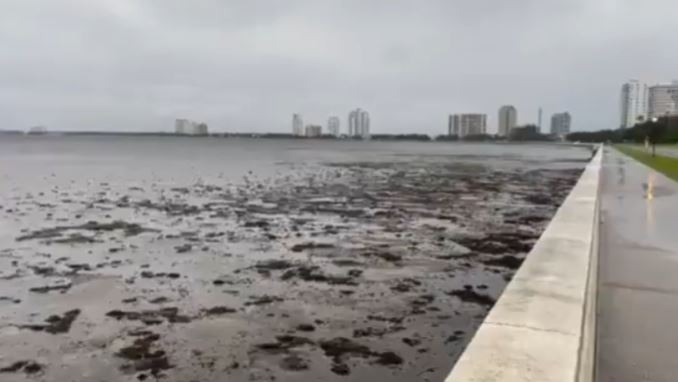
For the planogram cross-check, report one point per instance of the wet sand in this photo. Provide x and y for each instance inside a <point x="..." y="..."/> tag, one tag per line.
<point x="353" y="269"/>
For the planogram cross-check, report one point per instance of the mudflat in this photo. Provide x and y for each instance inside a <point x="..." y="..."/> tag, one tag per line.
<point x="190" y="260"/>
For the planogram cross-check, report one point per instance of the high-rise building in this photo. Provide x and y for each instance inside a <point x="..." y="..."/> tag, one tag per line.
<point x="297" y="125"/>
<point x="314" y="131"/>
<point x="188" y="127"/>
<point x="560" y="124"/>
<point x="463" y="125"/>
<point x="508" y="119"/>
<point x="180" y="126"/>
<point x="633" y="103"/>
<point x="352" y="123"/>
<point x="333" y="126"/>
<point x="364" y="125"/>
<point x="359" y="124"/>
<point x="200" y="129"/>
<point x="663" y="100"/>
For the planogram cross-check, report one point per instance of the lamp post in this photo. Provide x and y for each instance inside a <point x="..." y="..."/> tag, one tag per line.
<point x="674" y="98"/>
<point x="651" y="135"/>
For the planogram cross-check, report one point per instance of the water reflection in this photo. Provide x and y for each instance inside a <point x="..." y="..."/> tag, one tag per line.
<point x="649" y="196"/>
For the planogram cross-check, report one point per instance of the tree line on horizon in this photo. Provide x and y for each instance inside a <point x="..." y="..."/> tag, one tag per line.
<point x="664" y="130"/>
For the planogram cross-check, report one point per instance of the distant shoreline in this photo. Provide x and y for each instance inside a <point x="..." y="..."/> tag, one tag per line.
<point x="375" y="137"/>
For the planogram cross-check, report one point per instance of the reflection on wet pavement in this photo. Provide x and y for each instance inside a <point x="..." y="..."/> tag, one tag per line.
<point x="638" y="298"/>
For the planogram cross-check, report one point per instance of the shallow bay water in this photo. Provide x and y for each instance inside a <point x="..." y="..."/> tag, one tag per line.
<point x="208" y="259"/>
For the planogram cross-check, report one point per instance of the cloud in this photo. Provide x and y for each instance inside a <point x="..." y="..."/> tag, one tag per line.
<point x="247" y="65"/>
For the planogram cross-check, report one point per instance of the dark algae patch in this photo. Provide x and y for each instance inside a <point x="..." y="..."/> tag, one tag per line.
<point x="55" y="324"/>
<point x="144" y="354"/>
<point x="28" y="367"/>
<point x="469" y="295"/>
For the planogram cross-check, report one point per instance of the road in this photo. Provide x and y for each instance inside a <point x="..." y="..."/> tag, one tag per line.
<point x="638" y="279"/>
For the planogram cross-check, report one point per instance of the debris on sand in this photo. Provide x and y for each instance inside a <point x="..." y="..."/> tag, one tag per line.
<point x="340" y="369"/>
<point x="183" y="248"/>
<point x="262" y="300"/>
<point x="314" y="273"/>
<point x="340" y="348"/>
<point x="141" y="355"/>
<point x="411" y="341"/>
<point x="62" y="286"/>
<point x="456" y="336"/>
<point x="28" y="367"/>
<point x="506" y="261"/>
<point x="347" y="263"/>
<point x="370" y="332"/>
<point x="150" y="317"/>
<point x="306" y="246"/>
<point x="393" y="320"/>
<point x="388" y="358"/>
<point x="498" y="243"/>
<point x="55" y="324"/>
<point x="129" y="229"/>
<point x="219" y="310"/>
<point x="256" y="224"/>
<point x="284" y="343"/>
<point x="150" y="275"/>
<point x="469" y="295"/>
<point x="293" y="363"/>
<point x="386" y="256"/>
<point x="405" y="285"/>
<point x="305" y="328"/>
<point x="76" y="238"/>
<point x="265" y="267"/>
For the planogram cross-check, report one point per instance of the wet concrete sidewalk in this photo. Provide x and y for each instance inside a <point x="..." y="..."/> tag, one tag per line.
<point x="638" y="279"/>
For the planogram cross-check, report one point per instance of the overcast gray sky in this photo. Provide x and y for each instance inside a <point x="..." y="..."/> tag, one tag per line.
<point x="247" y="65"/>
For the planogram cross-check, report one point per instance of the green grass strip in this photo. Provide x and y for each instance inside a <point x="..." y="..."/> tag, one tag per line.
<point x="666" y="165"/>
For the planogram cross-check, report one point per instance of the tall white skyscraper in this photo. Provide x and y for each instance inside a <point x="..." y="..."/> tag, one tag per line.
<point x="560" y="124"/>
<point x="297" y="125"/>
<point x="359" y="124"/>
<point x="663" y="100"/>
<point x="463" y="125"/>
<point x="333" y="126"/>
<point x="352" y="123"/>
<point x="508" y="119"/>
<point x="633" y="103"/>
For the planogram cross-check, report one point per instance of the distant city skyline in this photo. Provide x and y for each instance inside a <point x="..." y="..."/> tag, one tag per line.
<point x="357" y="125"/>
<point x="137" y="65"/>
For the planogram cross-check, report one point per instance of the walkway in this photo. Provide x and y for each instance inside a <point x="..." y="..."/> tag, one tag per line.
<point x="668" y="150"/>
<point x="638" y="279"/>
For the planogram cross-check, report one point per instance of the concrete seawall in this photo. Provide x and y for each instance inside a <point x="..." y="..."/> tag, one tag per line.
<point x="542" y="328"/>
